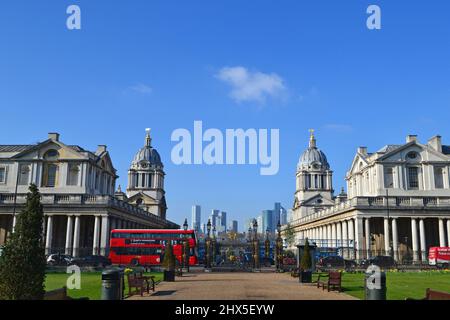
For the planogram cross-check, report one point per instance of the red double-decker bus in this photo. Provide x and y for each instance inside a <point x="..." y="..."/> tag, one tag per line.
<point x="146" y="247"/>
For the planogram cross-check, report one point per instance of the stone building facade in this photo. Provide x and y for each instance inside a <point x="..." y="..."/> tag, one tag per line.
<point x="398" y="204"/>
<point x="77" y="187"/>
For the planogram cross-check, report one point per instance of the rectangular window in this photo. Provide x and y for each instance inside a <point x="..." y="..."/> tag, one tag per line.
<point x="3" y="175"/>
<point x="413" y="177"/>
<point x="50" y="180"/>
<point x="439" y="178"/>
<point x="388" y="177"/>
<point x="24" y="174"/>
<point x="73" y="174"/>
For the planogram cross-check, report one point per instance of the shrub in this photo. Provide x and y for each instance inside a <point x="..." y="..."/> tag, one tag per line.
<point x="22" y="263"/>
<point x="306" y="263"/>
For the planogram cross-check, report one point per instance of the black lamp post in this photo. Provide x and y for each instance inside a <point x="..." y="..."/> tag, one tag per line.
<point x="214" y="246"/>
<point x="279" y="253"/>
<point x="186" y="246"/>
<point x="255" y="244"/>
<point x="267" y="245"/>
<point x="208" y="245"/>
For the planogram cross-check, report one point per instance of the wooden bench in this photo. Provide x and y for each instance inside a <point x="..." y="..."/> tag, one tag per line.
<point x="333" y="281"/>
<point x="57" y="294"/>
<point x="140" y="283"/>
<point x="434" y="295"/>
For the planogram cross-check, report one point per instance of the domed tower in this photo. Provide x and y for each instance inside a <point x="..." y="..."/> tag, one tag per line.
<point x="146" y="180"/>
<point x="314" y="180"/>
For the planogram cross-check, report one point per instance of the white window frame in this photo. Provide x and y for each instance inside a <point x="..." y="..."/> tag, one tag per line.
<point x="6" y="174"/>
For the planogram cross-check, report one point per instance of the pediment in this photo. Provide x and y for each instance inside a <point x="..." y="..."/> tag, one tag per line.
<point x="145" y="198"/>
<point x="317" y="200"/>
<point x="425" y="154"/>
<point x="38" y="151"/>
<point x="356" y="163"/>
<point x="105" y="161"/>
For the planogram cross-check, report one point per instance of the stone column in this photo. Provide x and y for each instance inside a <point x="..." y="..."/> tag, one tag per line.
<point x="345" y="238"/>
<point x="359" y="238"/>
<point x="329" y="236"/>
<point x="76" y="237"/>
<point x="448" y="232"/>
<point x="104" y="236"/>
<point x="395" y="238"/>
<point x="49" y="235"/>
<point x="441" y="233"/>
<point x="339" y="234"/>
<point x="333" y="235"/>
<point x="95" y="243"/>
<point x="367" y="235"/>
<point x="415" y="242"/>
<point x="387" y="241"/>
<point x="423" y="244"/>
<point x="69" y="235"/>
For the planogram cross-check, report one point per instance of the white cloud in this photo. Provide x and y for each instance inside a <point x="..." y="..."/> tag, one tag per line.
<point x="251" y="86"/>
<point x="141" y="88"/>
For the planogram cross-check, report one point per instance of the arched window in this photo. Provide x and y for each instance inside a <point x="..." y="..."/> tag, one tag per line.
<point x="51" y="155"/>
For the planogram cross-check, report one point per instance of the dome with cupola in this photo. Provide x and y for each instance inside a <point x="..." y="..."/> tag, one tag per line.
<point x="147" y="156"/>
<point x="313" y="158"/>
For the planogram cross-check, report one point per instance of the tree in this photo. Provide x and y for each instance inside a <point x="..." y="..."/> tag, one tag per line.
<point x="306" y="263"/>
<point x="22" y="264"/>
<point x="169" y="258"/>
<point x="289" y="235"/>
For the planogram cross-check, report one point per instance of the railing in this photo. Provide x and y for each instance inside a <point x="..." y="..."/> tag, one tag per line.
<point x="374" y="202"/>
<point x="77" y="199"/>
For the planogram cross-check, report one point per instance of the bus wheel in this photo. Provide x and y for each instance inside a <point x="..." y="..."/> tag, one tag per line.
<point x="135" y="262"/>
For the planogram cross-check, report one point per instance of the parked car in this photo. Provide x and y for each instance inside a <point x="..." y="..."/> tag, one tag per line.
<point x="59" y="259"/>
<point x="335" y="262"/>
<point x="91" y="261"/>
<point x="384" y="262"/>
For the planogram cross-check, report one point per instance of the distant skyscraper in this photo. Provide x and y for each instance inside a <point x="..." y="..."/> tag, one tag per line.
<point x="214" y="217"/>
<point x="196" y="217"/>
<point x="267" y="221"/>
<point x="283" y="216"/>
<point x="260" y="222"/>
<point x="233" y="227"/>
<point x="222" y="222"/>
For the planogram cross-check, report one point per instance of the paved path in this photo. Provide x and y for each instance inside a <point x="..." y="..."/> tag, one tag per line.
<point x="239" y="286"/>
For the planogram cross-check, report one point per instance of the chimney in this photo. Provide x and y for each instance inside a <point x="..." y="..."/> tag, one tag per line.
<point x="362" y="150"/>
<point x="100" y="149"/>
<point x="53" y="136"/>
<point x="411" y="138"/>
<point x="436" y="143"/>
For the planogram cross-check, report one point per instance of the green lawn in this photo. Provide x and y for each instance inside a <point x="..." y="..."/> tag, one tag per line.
<point x="91" y="284"/>
<point x="400" y="285"/>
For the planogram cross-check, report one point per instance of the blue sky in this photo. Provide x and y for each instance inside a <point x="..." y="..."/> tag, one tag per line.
<point x="138" y="64"/>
